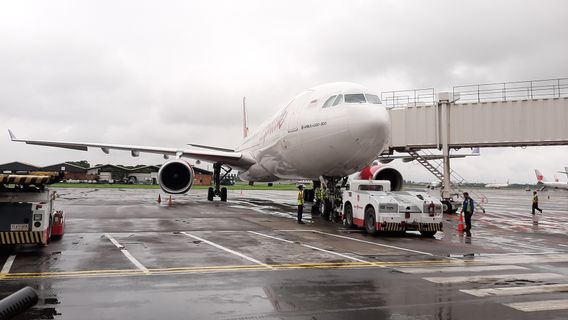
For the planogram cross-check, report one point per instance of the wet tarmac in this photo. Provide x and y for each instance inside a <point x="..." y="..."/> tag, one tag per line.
<point x="125" y="256"/>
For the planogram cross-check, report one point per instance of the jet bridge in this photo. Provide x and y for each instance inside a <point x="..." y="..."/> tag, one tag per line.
<point x="509" y="114"/>
<point x="513" y="114"/>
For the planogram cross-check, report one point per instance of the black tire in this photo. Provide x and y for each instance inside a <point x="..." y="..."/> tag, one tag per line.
<point x="447" y="206"/>
<point x="370" y="220"/>
<point x="428" y="234"/>
<point x="210" y="194"/>
<point x="224" y="194"/>
<point x="348" y="215"/>
<point x="315" y="207"/>
<point x="325" y="208"/>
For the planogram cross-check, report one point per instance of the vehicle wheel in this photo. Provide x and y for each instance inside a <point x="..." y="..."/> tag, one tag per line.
<point x="447" y="206"/>
<point x="370" y="221"/>
<point x="348" y="215"/>
<point x="224" y="194"/>
<point x="428" y="234"/>
<point x="315" y="207"/>
<point x="325" y="209"/>
<point x="210" y="194"/>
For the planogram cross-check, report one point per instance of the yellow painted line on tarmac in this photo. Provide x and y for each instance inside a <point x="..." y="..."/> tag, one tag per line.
<point x="213" y="269"/>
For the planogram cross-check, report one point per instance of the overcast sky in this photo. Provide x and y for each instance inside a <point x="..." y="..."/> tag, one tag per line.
<point x="168" y="73"/>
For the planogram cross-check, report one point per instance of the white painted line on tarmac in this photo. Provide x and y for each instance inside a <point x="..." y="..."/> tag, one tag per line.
<point x="545" y="305"/>
<point x="127" y="254"/>
<point x="311" y="247"/>
<point x="218" y="246"/>
<point x="461" y="269"/>
<point x="8" y="265"/>
<point x="521" y="276"/>
<point x="271" y="237"/>
<point x="517" y="291"/>
<point x="373" y="243"/>
<point x="523" y="258"/>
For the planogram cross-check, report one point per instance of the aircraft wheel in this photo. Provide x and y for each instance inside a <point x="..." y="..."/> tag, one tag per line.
<point x="210" y="194"/>
<point x="224" y="194"/>
<point x="447" y="206"/>
<point x="348" y="213"/>
<point x="370" y="225"/>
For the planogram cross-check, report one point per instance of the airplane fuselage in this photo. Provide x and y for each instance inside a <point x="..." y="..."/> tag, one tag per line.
<point x="306" y="139"/>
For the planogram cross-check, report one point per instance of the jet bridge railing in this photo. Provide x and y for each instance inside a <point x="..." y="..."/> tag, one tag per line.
<point x="511" y="91"/>
<point x="405" y="98"/>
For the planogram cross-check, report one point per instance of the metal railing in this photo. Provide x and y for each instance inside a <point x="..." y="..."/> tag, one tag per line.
<point x="509" y="91"/>
<point x="405" y="98"/>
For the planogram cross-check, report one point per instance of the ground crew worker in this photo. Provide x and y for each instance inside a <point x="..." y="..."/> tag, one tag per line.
<point x="300" y="203"/>
<point x="535" y="203"/>
<point x="467" y="210"/>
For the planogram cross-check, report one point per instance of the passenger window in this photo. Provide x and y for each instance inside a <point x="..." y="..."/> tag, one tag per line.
<point x="372" y="98"/>
<point x="338" y="100"/>
<point x="328" y="102"/>
<point x="355" y="98"/>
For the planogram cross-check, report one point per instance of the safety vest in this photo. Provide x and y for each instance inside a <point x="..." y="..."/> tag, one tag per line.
<point x="535" y="199"/>
<point x="468" y="205"/>
<point x="300" y="197"/>
<point x="321" y="193"/>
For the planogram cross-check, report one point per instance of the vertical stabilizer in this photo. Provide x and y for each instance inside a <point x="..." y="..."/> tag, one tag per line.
<point x="245" y="126"/>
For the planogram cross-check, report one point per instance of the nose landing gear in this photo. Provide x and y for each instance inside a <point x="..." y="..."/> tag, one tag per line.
<point x="217" y="178"/>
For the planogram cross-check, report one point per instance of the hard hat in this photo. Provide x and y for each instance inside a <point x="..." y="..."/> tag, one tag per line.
<point x="300" y="186"/>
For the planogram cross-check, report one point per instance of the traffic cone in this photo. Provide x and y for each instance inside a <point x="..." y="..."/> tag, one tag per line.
<point x="170" y="202"/>
<point x="159" y="199"/>
<point x="460" y="224"/>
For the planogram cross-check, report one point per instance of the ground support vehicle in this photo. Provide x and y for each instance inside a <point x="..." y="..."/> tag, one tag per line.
<point x="371" y="205"/>
<point x="27" y="212"/>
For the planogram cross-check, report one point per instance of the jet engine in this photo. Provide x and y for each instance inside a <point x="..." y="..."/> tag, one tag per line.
<point x="380" y="172"/>
<point x="176" y="176"/>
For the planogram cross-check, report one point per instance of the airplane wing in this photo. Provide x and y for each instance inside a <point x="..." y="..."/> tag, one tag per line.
<point x="219" y="156"/>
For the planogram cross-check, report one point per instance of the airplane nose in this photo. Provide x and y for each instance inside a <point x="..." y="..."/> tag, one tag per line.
<point x="369" y="125"/>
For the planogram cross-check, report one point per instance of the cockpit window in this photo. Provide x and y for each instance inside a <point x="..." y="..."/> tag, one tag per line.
<point x="338" y="100"/>
<point x="372" y="98"/>
<point x="355" y="98"/>
<point x="328" y="102"/>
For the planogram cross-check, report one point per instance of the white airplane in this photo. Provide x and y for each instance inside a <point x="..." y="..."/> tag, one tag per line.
<point x="547" y="184"/>
<point x="497" y="185"/>
<point x="327" y="132"/>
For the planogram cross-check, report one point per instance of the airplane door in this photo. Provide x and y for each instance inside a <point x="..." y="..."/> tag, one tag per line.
<point x="296" y="107"/>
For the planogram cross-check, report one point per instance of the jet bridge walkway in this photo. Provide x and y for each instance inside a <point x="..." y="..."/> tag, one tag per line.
<point x="509" y="114"/>
<point x="512" y="114"/>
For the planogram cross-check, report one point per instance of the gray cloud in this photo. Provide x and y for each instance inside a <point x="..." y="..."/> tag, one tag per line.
<point x="167" y="74"/>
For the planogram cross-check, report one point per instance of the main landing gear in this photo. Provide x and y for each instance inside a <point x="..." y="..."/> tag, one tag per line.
<point x="217" y="178"/>
<point x="330" y="207"/>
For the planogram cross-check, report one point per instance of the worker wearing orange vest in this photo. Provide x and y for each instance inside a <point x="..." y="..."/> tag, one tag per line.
<point x="300" y="203"/>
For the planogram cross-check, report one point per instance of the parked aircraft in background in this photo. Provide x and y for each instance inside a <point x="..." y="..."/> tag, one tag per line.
<point x="497" y="185"/>
<point x="324" y="134"/>
<point x="547" y="184"/>
<point x="565" y="171"/>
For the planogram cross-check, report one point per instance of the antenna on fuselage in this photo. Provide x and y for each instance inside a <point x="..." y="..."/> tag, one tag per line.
<point x="245" y="126"/>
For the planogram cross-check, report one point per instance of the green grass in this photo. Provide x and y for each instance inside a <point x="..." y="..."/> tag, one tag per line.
<point x="237" y="186"/>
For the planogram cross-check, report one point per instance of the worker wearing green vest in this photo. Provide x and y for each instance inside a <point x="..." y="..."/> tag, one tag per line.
<point x="467" y="210"/>
<point x="300" y="203"/>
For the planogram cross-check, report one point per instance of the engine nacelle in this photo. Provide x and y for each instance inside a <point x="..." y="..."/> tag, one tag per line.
<point x="176" y="176"/>
<point x="380" y="172"/>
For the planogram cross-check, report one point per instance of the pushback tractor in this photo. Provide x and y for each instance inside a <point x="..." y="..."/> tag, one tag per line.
<point x="27" y="210"/>
<point x="370" y="204"/>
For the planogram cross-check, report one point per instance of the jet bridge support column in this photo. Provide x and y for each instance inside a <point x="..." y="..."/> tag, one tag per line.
<point x="444" y="123"/>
